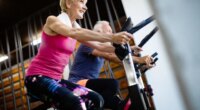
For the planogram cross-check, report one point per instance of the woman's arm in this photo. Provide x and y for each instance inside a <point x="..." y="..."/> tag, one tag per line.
<point x="54" y="26"/>
<point x="103" y="47"/>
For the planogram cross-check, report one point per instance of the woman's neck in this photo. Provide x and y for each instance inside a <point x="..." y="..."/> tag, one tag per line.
<point x="72" y="19"/>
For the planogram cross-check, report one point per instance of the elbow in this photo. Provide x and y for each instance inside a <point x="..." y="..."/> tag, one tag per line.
<point x="101" y="48"/>
<point x="76" y="34"/>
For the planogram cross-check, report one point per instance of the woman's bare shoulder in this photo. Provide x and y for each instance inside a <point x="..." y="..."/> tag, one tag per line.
<point x="50" y="20"/>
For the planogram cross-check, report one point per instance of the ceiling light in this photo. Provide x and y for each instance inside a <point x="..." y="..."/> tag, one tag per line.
<point x="36" y="41"/>
<point x="3" y="58"/>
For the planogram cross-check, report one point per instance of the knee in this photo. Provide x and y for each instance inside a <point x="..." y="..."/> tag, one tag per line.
<point x="96" y="99"/>
<point x="75" y="103"/>
<point x="114" y="85"/>
<point x="100" y="100"/>
<point x="115" y="82"/>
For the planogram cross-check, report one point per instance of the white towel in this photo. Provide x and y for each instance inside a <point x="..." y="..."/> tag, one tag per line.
<point x="65" y="19"/>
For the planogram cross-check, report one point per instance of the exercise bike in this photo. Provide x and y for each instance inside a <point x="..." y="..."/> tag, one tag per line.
<point x="137" y="94"/>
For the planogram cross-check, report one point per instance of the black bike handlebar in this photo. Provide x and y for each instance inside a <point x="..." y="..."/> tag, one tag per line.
<point x="154" y="54"/>
<point x="154" y="61"/>
<point x="141" y="25"/>
<point x="127" y="25"/>
<point x="145" y="39"/>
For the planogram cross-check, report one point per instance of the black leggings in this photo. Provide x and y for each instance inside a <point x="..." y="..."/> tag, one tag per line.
<point x="63" y="94"/>
<point x="108" y="88"/>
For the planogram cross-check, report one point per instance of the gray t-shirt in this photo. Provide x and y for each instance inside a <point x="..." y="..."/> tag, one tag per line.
<point x="86" y="65"/>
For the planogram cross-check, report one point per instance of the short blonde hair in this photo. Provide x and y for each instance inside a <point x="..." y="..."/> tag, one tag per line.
<point x="63" y="5"/>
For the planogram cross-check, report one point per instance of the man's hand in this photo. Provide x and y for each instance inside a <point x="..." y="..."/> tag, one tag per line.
<point x="136" y="50"/>
<point x="145" y="60"/>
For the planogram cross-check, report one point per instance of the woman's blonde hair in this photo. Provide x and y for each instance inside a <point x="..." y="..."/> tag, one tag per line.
<point x="63" y="5"/>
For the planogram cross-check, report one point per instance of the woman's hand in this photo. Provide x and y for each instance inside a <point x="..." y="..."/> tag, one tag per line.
<point x="121" y="37"/>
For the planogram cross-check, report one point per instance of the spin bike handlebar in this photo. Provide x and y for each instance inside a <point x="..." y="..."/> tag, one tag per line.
<point x="122" y="50"/>
<point x="145" y="39"/>
<point x="141" y="25"/>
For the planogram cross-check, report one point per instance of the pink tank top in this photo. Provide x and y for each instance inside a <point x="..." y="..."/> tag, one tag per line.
<point x="53" y="55"/>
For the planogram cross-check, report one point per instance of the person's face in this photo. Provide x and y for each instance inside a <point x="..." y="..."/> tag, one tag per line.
<point x="106" y="29"/>
<point x="77" y="9"/>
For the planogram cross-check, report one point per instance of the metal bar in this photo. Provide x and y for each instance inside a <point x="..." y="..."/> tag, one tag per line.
<point x="89" y="20"/>
<point x="130" y="70"/>
<point x="36" y="32"/>
<point x="110" y="70"/>
<point x="110" y="16"/>
<point x="105" y="71"/>
<point x="112" y="76"/>
<point x="29" y="52"/>
<point x="85" y="22"/>
<point x="25" y="45"/>
<point x="115" y="13"/>
<point x="24" y="77"/>
<point x="17" y="56"/>
<point x="10" y="74"/>
<point x="21" y="57"/>
<point x="5" y="63"/>
<point x="97" y="10"/>
<point x="30" y="33"/>
<point x="142" y="87"/>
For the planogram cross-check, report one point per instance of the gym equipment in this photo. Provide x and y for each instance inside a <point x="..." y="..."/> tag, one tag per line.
<point x="137" y="92"/>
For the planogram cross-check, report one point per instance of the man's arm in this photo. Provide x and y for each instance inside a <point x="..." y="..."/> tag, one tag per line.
<point x="107" y="51"/>
<point x="112" y="57"/>
<point x="106" y="55"/>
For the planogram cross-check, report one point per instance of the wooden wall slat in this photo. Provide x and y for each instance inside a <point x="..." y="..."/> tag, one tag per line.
<point x="9" y="97"/>
<point x="6" y="82"/>
<point x="10" y="105"/>
<point x="8" y="90"/>
<point x="13" y="71"/>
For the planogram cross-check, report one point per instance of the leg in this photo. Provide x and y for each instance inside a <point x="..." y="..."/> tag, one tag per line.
<point x="90" y="97"/>
<point x="49" y="90"/>
<point x="108" y="88"/>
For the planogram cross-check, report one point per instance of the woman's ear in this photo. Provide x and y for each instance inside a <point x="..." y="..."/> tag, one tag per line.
<point x="68" y="3"/>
